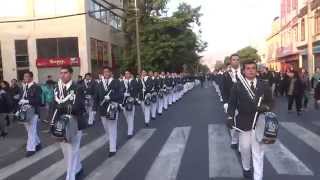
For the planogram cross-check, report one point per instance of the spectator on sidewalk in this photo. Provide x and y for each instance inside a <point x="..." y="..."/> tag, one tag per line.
<point x="304" y="75"/>
<point x="15" y="95"/>
<point x="47" y="97"/>
<point x="5" y="107"/>
<point x="295" y="92"/>
<point x="317" y="95"/>
<point x="315" y="78"/>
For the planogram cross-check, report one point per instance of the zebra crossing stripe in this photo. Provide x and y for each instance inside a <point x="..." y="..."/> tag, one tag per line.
<point x="167" y="163"/>
<point x="58" y="169"/>
<point x="25" y="162"/>
<point x="308" y="137"/>
<point x="284" y="161"/>
<point x="223" y="161"/>
<point x="113" y="166"/>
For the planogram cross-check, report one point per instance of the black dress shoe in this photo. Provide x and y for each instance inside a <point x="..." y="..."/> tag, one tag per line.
<point x="234" y="146"/>
<point x="3" y="134"/>
<point x="111" y="154"/>
<point x="130" y="136"/>
<point x="146" y="124"/>
<point x="79" y="173"/>
<point x="247" y="174"/>
<point x="153" y="118"/>
<point x="159" y="114"/>
<point x="30" y="153"/>
<point x="38" y="147"/>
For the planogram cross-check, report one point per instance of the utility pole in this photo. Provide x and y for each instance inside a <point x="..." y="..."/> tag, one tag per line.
<point x="310" y="41"/>
<point x="138" y="37"/>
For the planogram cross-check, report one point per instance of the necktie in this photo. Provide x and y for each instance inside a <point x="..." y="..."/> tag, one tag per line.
<point x="64" y="90"/>
<point x="237" y="78"/>
<point x="252" y="86"/>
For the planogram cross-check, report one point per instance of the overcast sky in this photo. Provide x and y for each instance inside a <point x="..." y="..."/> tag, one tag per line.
<point x="229" y="25"/>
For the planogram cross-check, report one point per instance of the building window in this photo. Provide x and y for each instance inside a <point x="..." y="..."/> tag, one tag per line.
<point x="100" y="13"/>
<point x="99" y="54"/>
<point x="57" y="47"/>
<point x="303" y="29"/>
<point x="22" y="58"/>
<point x="317" y="21"/>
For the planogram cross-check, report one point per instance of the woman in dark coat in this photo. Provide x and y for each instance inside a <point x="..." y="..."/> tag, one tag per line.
<point x="295" y="91"/>
<point x="5" y="107"/>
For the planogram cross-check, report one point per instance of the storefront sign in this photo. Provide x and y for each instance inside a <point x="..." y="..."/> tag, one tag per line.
<point x="57" y="62"/>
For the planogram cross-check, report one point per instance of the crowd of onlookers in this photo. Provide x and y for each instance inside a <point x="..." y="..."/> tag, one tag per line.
<point x="299" y="88"/>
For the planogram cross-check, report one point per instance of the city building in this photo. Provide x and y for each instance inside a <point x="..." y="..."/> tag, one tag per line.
<point x="48" y="34"/>
<point x="274" y="43"/>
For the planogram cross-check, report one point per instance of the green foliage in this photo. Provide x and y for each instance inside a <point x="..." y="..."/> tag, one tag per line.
<point x="167" y="43"/>
<point x="219" y="65"/>
<point x="248" y="54"/>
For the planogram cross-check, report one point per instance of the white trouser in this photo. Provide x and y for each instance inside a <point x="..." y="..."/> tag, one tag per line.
<point x="250" y="147"/>
<point x="170" y="98"/>
<point x="33" y="138"/>
<point x="110" y="127"/>
<point x="165" y="101"/>
<point x="146" y="112"/>
<point x="160" y="105"/>
<point x="91" y="114"/>
<point x="234" y="136"/>
<point x="129" y="115"/>
<point x="153" y="109"/>
<point x="71" y="154"/>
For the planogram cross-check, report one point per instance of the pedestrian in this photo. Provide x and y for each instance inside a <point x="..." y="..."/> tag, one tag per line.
<point x="295" y="92"/>
<point x="130" y="91"/>
<point x="31" y="100"/>
<point x="145" y="90"/>
<point x="304" y="76"/>
<point x="47" y="97"/>
<point x="230" y="77"/>
<point x="69" y="102"/>
<point x="5" y="107"/>
<point x="90" y="94"/>
<point x="315" y="78"/>
<point x="15" y="94"/>
<point x="109" y="96"/>
<point x="317" y="95"/>
<point x="244" y="99"/>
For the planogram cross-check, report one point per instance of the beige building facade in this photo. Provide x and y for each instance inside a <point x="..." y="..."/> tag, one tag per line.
<point x="86" y="34"/>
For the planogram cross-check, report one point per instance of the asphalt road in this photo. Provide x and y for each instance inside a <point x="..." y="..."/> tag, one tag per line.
<point x="188" y="142"/>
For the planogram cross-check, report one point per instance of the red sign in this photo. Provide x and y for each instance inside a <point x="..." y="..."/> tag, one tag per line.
<point x="58" y="62"/>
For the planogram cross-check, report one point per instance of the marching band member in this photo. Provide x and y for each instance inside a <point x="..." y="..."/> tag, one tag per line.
<point x="169" y="85"/>
<point x="109" y="97"/>
<point x="161" y="93"/>
<point x="145" y="89"/>
<point x="90" y="97"/>
<point x="229" y="78"/>
<point x="154" y="93"/>
<point x="246" y="97"/>
<point x="69" y="102"/>
<point x="130" y="95"/>
<point x="166" y="96"/>
<point x="30" y="102"/>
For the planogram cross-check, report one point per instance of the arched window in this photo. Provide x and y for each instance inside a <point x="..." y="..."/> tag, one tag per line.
<point x="317" y="21"/>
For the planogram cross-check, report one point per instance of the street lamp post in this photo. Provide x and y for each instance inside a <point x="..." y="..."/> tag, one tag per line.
<point x="310" y="40"/>
<point x="137" y="37"/>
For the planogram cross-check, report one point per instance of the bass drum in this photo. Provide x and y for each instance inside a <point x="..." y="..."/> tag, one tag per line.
<point x="147" y="99"/>
<point x="154" y="97"/>
<point x="112" y="111"/>
<point x="267" y="127"/>
<point x="64" y="128"/>
<point x="129" y="103"/>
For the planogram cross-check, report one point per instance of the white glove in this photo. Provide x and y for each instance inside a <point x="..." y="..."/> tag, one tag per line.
<point x="16" y="96"/>
<point x="225" y="107"/>
<point x="107" y="97"/>
<point x="23" y="101"/>
<point x="126" y="94"/>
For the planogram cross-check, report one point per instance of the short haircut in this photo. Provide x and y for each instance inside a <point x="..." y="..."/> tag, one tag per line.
<point x="68" y="68"/>
<point x="107" y="67"/>
<point x="234" y="55"/>
<point x="87" y="74"/>
<point x="28" y="72"/>
<point x="249" y="62"/>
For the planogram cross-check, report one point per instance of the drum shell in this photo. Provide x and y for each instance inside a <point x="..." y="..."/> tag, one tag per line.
<point x="69" y="129"/>
<point x="266" y="130"/>
<point x="26" y="113"/>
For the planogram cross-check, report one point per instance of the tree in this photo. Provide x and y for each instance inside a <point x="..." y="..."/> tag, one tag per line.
<point x="167" y="43"/>
<point x="248" y="53"/>
<point x="219" y="65"/>
<point x="226" y="60"/>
